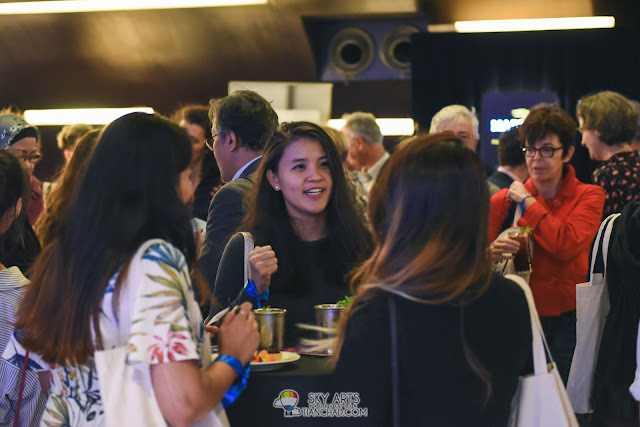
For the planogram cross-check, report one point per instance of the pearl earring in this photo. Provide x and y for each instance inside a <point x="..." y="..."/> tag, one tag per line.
<point x="277" y="187"/>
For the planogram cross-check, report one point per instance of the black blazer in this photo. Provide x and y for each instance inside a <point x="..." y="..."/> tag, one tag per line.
<point x="226" y="212"/>
<point x="501" y="179"/>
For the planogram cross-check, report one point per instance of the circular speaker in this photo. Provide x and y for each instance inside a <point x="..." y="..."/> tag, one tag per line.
<point x="396" y="48"/>
<point x="351" y="51"/>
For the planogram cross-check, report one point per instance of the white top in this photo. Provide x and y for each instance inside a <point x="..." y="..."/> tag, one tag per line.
<point x="508" y="172"/>
<point x="237" y="175"/>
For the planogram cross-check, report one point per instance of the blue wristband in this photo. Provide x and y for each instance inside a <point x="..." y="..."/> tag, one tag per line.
<point x="243" y="372"/>
<point x="250" y="288"/>
<point x="522" y="203"/>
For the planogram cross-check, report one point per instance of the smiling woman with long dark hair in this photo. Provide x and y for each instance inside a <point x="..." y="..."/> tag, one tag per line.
<point x="306" y="225"/>
<point x="134" y="189"/>
<point x="463" y="334"/>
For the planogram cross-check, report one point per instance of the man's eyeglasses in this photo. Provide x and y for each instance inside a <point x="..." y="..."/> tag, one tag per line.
<point x="545" y="151"/>
<point x="26" y="157"/>
<point x="209" y="141"/>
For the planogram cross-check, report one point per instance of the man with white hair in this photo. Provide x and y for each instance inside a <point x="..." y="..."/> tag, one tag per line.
<point x="366" y="151"/>
<point x="463" y="123"/>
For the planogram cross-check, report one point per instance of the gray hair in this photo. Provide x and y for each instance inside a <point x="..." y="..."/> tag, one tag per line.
<point x="452" y="113"/>
<point x="364" y="125"/>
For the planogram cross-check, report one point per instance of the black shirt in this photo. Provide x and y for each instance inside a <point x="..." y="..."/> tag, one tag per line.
<point x="437" y="385"/>
<point x="315" y="276"/>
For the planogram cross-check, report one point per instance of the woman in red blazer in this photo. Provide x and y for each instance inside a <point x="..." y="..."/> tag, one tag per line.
<point x="564" y="214"/>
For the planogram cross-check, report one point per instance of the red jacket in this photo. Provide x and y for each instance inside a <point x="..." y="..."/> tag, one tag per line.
<point x="563" y="229"/>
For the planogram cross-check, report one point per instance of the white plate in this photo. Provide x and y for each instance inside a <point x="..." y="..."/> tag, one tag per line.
<point x="287" y="357"/>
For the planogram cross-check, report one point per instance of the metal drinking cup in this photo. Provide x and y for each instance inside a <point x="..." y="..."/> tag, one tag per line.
<point x="327" y="316"/>
<point x="271" y="328"/>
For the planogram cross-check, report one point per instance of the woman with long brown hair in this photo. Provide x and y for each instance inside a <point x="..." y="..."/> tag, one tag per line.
<point x="463" y="333"/>
<point x="58" y="200"/>
<point x="134" y="190"/>
<point x="307" y="228"/>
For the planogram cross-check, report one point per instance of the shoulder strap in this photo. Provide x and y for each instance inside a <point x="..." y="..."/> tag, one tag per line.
<point x="605" y="243"/>
<point x="395" y="381"/>
<point x="25" y="365"/>
<point x="606" y="227"/>
<point x="539" y="343"/>
<point x="248" y="247"/>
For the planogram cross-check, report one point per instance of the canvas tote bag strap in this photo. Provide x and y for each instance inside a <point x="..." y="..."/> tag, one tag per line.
<point x="596" y="245"/>
<point x="517" y="215"/>
<point x="605" y="243"/>
<point x="538" y="340"/>
<point x="395" y="380"/>
<point x="249" y="245"/>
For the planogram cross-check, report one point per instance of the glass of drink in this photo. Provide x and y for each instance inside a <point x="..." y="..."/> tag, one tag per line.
<point x="522" y="258"/>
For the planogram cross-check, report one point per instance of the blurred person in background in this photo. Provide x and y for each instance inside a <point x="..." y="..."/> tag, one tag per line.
<point x="306" y="226"/>
<point x="205" y="175"/>
<point x="134" y="189"/>
<point x="366" y="154"/>
<point x="14" y="188"/>
<point x="241" y="123"/>
<point x="635" y="141"/>
<point x="608" y="122"/>
<point x="463" y="123"/>
<point x="463" y="333"/>
<point x="511" y="159"/>
<point x="563" y="216"/>
<point x="19" y="138"/>
<point x="352" y="175"/>
<point x="61" y="196"/>
<point x="69" y="136"/>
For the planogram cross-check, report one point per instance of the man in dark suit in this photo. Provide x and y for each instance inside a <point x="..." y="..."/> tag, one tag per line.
<point x="241" y="124"/>
<point x="511" y="158"/>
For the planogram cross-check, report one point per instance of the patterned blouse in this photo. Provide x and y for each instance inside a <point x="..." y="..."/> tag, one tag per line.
<point x="13" y="285"/>
<point x="163" y="330"/>
<point x="620" y="178"/>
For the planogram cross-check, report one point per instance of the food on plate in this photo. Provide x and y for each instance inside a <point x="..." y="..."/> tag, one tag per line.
<point x="263" y="356"/>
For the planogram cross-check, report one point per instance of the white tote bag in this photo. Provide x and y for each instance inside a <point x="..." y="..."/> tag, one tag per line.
<point x="592" y="307"/>
<point x="541" y="400"/>
<point x="126" y="390"/>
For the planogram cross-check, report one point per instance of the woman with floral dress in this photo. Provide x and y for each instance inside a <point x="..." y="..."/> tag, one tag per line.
<point x="133" y="191"/>
<point x="608" y="123"/>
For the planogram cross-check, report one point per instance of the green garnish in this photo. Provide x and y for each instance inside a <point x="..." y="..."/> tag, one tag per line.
<point x="345" y="302"/>
<point x="525" y="230"/>
<point x="264" y="309"/>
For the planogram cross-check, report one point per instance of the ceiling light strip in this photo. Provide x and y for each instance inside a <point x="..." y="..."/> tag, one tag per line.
<point x="388" y="127"/>
<point x="74" y="6"/>
<point x="92" y="116"/>
<point x="505" y="25"/>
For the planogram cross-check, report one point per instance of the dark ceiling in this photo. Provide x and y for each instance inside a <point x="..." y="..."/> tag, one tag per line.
<point x="166" y="57"/>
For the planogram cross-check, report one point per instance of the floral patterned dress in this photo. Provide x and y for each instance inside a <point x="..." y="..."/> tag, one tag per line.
<point x="620" y="178"/>
<point x="165" y="328"/>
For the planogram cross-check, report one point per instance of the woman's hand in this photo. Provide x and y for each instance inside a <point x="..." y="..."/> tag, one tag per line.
<point x="517" y="192"/>
<point x="262" y="265"/>
<point x="238" y="336"/>
<point x="211" y="330"/>
<point x="502" y="249"/>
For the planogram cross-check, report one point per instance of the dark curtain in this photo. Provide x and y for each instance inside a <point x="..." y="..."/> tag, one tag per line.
<point x="460" y="68"/>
